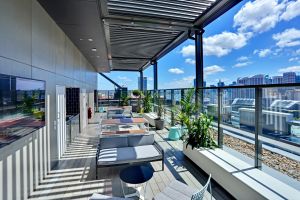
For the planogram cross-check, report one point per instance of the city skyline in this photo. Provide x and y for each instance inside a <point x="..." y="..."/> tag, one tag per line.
<point x="255" y="37"/>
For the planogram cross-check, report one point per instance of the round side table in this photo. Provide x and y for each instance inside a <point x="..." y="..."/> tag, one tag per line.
<point x="136" y="174"/>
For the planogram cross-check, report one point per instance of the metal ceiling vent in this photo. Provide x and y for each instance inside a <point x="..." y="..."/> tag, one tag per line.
<point x="138" y="31"/>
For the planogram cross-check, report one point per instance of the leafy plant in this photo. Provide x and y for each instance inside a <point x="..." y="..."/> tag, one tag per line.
<point x="136" y="93"/>
<point x="196" y="129"/>
<point x="160" y="107"/>
<point x="124" y="100"/>
<point x="28" y="103"/>
<point x="147" y="102"/>
<point x="139" y="94"/>
<point x="187" y="108"/>
<point x="199" y="132"/>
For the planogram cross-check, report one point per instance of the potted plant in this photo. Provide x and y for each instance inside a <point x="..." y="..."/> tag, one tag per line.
<point x="197" y="129"/>
<point x="159" y="121"/>
<point x="124" y="100"/>
<point x="147" y="102"/>
<point x="137" y="94"/>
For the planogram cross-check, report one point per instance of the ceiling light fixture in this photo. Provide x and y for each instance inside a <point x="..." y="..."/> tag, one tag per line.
<point x="94" y="49"/>
<point x="90" y="40"/>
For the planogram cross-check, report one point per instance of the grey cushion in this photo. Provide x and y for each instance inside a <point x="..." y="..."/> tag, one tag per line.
<point x="113" y="142"/>
<point x="128" y="155"/>
<point x="176" y="191"/>
<point x="96" y="196"/>
<point x="139" y="140"/>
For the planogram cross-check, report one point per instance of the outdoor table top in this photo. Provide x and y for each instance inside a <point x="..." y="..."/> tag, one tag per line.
<point x="140" y="131"/>
<point x="112" y="108"/>
<point x="124" y="121"/>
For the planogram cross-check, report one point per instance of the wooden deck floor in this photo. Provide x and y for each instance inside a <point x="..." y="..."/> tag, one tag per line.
<point x="74" y="177"/>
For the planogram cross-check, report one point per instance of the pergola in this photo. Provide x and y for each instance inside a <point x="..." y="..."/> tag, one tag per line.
<point x="118" y="35"/>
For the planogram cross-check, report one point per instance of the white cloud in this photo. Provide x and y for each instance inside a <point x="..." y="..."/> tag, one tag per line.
<point x="213" y="69"/>
<point x="288" y="38"/>
<point x="188" y="50"/>
<point x="292" y="10"/>
<point x="185" y="82"/>
<point x="150" y="78"/>
<point x="124" y="78"/>
<point x="258" y="16"/>
<point x="294" y="59"/>
<point x="176" y="71"/>
<point x="223" y="43"/>
<point x="262" y="52"/>
<point x="190" y="61"/>
<point x="242" y="59"/>
<point x="290" y="69"/>
<point x="242" y="64"/>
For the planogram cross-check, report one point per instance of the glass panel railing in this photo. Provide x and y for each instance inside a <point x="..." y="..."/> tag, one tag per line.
<point x="258" y="124"/>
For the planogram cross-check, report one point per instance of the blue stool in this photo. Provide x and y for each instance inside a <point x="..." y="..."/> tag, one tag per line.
<point x="174" y="133"/>
<point x="101" y="109"/>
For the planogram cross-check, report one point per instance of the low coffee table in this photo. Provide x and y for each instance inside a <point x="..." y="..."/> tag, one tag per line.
<point x="136" y="174"/>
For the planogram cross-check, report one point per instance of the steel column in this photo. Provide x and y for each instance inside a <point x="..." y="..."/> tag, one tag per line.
<point x="141" y="81"/>
<point x="154" y="63"/>
<point x="199" y="67"/>
<point x="258" y="126"/>
<point x="172" y="107"/>
<point x="155" y="75"/>
<point x="220" y="129"/>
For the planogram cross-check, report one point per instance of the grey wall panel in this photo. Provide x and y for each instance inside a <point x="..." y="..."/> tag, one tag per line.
<point x="8" y="66"/>
<point x="59" y="50"/>
<point x="69" y="58"/>
<point x="33" y="46"/>
<point x="42" y="39"/>
<point x="51" y="93"/>
<point x="15" y="31"/>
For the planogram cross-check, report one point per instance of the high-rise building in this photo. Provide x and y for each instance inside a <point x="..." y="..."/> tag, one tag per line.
<point x="144" y="83"/>
<point x="277" y="79"/>
<point x="289" y="77"/>
<point x="243" y="81"/>
<point x="221" y="83"/>
<point x="204" y="83"/>
<point x="258" y="79"/>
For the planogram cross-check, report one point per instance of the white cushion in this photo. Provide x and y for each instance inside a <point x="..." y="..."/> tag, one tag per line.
<point x="127" y="154"/>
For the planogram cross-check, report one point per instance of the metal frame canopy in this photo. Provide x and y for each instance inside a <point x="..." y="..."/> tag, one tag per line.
<point x="140" y="31"/>
<point x="127" y="35"/>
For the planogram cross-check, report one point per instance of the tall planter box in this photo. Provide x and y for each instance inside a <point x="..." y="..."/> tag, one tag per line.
<point x="225" y="169"/>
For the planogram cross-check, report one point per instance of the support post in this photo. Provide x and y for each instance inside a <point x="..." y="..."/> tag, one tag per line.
<point x="154" y="63"/>
<point x="141" y="81"/>
<point x="258" y="126"/>
<point x="199" y="68"/>
<point x="220" y="129"/>
<point x="155" y="75"/>
<point x="172" y="107"/>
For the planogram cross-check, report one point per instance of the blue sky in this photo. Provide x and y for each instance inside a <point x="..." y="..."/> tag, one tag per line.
<point x="255" y="37"/>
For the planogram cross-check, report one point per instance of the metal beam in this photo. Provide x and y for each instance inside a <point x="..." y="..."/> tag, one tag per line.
<point x="215" y="11"/>
<point x="110" y="80"/>
<point x="148" y="23"/>
<point x="172" y="45"/>
<point x="199" y="67"/>
<point x="125" y="70"/>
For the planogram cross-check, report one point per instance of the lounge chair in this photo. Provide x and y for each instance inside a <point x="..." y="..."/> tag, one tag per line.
<point x="97" y="196"/>
<point x="177" y="190"/>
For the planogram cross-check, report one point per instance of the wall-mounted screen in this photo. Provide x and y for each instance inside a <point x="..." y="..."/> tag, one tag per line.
<point x="22" y="107"/>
